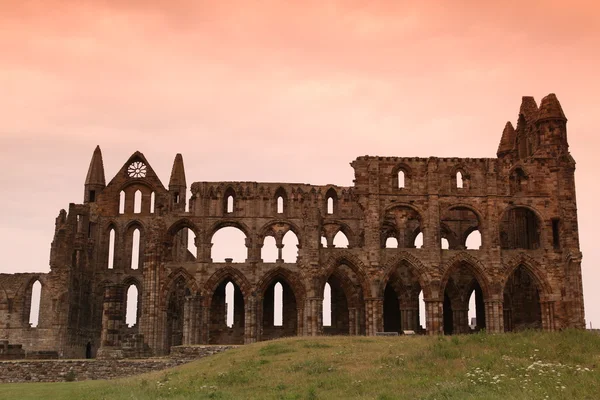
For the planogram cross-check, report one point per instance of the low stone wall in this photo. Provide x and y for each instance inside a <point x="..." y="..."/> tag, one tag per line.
<point x="79" y="370"/>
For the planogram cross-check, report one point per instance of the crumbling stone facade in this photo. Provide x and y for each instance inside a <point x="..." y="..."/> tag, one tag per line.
<point x="526" y="274"/>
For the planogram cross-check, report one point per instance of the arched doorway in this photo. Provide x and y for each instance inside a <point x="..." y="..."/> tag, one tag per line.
<point x="227" y="314"/>
<point x="343" y="293"/>
<point x="279" y="310"/>
<point x="460" y="285"/>
<point x="522" y="308"/>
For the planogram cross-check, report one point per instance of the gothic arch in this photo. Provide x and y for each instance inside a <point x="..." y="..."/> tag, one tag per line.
<point x="407" y="205"/>
<point x="470" y="207"/>
<point x="181" y="224"/>
<point x="344" y="228"/>
<point x="421" y="272"/>
<point x="353" y="262"/>
<point x="227" y="223"/>
<point x="190" y="283"/>
<point x="532" y="266"/>
<point x="267" y="230"/>
<point x="474" y="265"/>
<point x="291" y="278"/>
<point x="540" y="220"/>
<point x="222" y="274"/>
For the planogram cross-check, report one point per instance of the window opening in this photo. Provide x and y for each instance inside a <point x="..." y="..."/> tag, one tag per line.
<point x="278" y="305"/>
<point x="229" y="242"/>
<point x="327" y="305"/>
<point x="459" y="180"/>
<point x="422" y="316"/>
<point x="269" y="250"/>
<point x="152" y="202"/>
<point x="230" y="204"/>
<point x="280" y="205"/>
<point x="445" y="244"/>
<point x="34" y="311"/>
<point x="419" y="240"/>
<point x="391" y="243"/>
<point x="289" y="253"/>
<point x="135" y="249"/>
<point x="111" y="249"/>
<point x="92" y="196"/>
<point x="137" y="202"/>
<point x="122" y="202"/>
<point x="400" y="179"/>
<point x="473" y="241"/>
<point x="340" y="240"/>
<point x="229" y="296"/>
<point x="330" y="205"/>
<point x="132" y="306"/>
<point x="556" y="233"/>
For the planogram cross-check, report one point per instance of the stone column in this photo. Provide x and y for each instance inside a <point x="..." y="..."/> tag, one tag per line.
<point x="113" y="316"/>
<point x="374" y="315"/>
<point x="314" y="316"/>
<point x="494" y="316"/>
<point x="250" y="331"/>
<point x="460" y="318"/>
<point x="409" y="319"/>
<point x="548" y="315"/>
<point x="434" y="316"/>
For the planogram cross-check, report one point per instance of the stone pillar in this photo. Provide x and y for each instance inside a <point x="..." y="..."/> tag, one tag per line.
<point x="548" y="323"/>
<point x="434" y="312"/>
<point x="280" y="252"/>
<point x="204" y="250"/>
<point x="204" y="324"/>
<point x="374" y="315"/>
<point x="314" y="316"/>
<point x="494" y="316"/>
<point x="113" y="316"/>
<point x="189" y="320"/>
<point x="460" y="318"/>
<point x="300" y="331"/>
<point x="250" y="312"/>
<point x="409" y="319"/>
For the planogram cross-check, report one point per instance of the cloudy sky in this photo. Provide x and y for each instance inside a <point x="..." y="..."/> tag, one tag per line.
<point x="277" y="91"/>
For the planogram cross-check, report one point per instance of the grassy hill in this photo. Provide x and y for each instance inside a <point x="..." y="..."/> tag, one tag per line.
<point x="528" y="365"/>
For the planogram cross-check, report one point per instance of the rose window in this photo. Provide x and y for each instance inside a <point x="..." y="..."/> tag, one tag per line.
<point x="137" y="169"/>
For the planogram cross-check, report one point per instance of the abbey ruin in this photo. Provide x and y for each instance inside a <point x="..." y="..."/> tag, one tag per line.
<point x="526" y="273"/>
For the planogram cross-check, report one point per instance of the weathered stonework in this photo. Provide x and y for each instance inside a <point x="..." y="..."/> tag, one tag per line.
<point x="81" y="370"/>
<point x="526" y="274"/>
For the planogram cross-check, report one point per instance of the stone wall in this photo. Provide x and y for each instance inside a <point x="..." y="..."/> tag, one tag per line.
<point x="79" y="370"/>
<point x="525" y="274"/>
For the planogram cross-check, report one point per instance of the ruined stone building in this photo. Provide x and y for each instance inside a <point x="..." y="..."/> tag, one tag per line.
<point x="525" y="274"/>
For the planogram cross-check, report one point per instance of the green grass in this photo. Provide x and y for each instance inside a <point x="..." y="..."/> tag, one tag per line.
<point x="528" y="365"/>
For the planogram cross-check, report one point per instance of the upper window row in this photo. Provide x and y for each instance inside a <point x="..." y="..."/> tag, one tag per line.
<point x="518" y="180"/>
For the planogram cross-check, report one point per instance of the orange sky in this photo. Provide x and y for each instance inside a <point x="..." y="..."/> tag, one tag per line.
<point x="267" y="90"/>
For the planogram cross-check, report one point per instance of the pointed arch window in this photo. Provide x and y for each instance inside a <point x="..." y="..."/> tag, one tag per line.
<point x="229" y="301"/>
<point x="459" y="180"/>
<point x="331" y="201"/>
<point x="122" y="202"/>
<point x="152" y="202"/>
<point x="278" y="305"/>
<point x="135" y="249"/>
<point x="229" y="198"/>
<point x="327" y="305"/>
<point x="401" y="179"/>
<point x="34" y="311"/>
<point x="111" y="248"/>
<point x="137" y="202"/>
<point x="131" y="315"/>
<point x="280" y="205"/>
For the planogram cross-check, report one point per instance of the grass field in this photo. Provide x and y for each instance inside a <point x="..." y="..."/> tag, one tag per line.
<point x="528" y="365"/>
